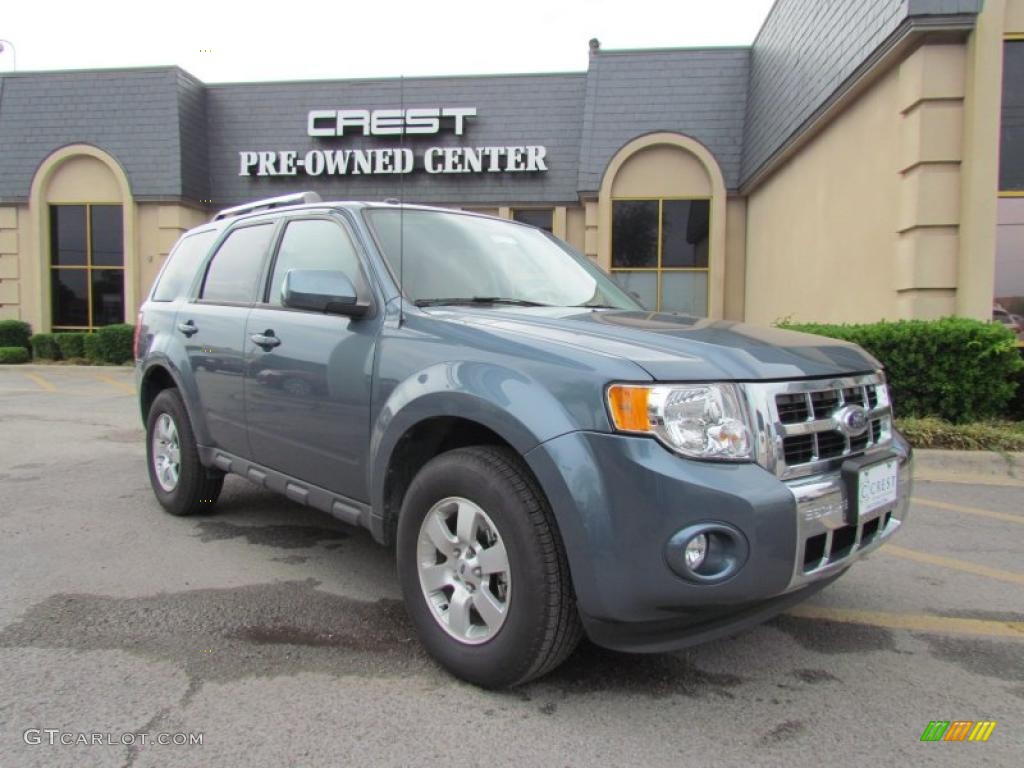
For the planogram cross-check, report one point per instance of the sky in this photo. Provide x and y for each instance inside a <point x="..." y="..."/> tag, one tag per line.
<point x="304" y="39"/>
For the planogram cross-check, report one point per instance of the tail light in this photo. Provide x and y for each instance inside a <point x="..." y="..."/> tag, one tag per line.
<point x="137" y="352"/>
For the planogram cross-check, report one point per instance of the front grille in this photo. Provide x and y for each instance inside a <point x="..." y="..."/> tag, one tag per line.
<point x="806" y="417"/>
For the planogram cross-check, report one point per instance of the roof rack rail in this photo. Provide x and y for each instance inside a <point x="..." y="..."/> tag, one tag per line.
<point x="299" y="198"/>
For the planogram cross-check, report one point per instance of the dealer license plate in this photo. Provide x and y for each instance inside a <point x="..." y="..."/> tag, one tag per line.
<point x="877" y="486"/>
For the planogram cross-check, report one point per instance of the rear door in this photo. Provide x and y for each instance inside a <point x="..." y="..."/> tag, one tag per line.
<point x="213" y="326"/>
<point x="308" y="390"/>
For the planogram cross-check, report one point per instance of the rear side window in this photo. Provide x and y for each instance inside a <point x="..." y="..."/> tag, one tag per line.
<point x="314" y="244"/>
<point x="182" y="265"/>
<point x="236" y="266"/>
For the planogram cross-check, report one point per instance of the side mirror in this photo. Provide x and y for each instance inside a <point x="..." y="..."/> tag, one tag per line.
<point x="322" y="290"/>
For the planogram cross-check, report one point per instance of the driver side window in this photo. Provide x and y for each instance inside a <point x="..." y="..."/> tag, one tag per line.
<point x="314" y="244"/>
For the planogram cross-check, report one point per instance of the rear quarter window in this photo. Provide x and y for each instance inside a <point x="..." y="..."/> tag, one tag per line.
<point x="182" y="264"/>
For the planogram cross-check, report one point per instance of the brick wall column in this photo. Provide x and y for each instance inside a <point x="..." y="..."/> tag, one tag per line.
<point x="10" y="298"/>
<point x="931" y="94"/>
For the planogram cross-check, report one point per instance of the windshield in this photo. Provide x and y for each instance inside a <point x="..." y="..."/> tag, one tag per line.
<point x="453" y="258"/>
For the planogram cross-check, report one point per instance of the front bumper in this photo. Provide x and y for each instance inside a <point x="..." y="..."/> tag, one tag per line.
<point x="619" y="500"/>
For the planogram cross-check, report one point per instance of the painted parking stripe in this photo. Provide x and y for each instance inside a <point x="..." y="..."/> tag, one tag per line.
<point x="40" y="382"/>
<point x="1004" y="516"/>
<point x="916" y="622"/>
<point x="956" y="565"/>
<point x="119" y="385"/>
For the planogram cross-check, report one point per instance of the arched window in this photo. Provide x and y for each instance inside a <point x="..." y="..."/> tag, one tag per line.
<point x="86" y="265"/>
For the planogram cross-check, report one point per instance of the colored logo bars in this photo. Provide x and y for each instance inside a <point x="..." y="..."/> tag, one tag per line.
<point x="958" y="730"/>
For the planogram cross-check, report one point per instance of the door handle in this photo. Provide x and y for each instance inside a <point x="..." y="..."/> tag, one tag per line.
<point x="188" y="328"/>
<point x="267" y="340"/>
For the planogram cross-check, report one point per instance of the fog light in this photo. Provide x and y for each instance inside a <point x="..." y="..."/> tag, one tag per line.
<point x="707" y="553"/>
<point x="695" y="552"/>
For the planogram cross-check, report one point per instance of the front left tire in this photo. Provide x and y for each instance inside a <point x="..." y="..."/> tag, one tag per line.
<point x="483" y="573"/>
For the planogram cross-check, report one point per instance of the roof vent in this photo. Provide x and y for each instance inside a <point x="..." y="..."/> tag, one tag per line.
<point x="595" y="46"/>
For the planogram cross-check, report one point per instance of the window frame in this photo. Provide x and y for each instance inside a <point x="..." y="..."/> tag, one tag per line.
<point x="87" y="267"/>
<point x="659" y="270"/>
<point x="198" y="288"/>
<point x="1009" y="37"/>
<point x="550" y="229"/>
<point x="267" y="278"/>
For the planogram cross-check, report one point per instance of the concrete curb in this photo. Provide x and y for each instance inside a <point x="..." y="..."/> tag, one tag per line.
<point x="975" y="467"/>
<point x="69" y="367"/>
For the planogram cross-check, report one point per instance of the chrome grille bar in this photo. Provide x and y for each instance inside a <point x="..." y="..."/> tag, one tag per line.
<point x="819" y="441"/>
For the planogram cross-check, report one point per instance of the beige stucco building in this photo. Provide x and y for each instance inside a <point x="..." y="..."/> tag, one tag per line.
<point x="854" y="165"/>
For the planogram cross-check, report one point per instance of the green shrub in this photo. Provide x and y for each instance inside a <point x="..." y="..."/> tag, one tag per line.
<point x="44" y="346"/>
<point x="91" y="344"/>
<point x="13" y="355"/>
<point x="15" y="333"/>
<point x="979" y="436"/>
<point x="1016" y="408"/>
<point x="71" y="345"/>
<point x="114" y="343"/>
<point x="955" y="369"/>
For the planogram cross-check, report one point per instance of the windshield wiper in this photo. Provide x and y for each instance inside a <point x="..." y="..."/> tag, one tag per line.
<point x="478" y="300"/>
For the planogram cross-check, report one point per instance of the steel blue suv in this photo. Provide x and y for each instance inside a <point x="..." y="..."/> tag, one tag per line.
<point x="548" y="458"/>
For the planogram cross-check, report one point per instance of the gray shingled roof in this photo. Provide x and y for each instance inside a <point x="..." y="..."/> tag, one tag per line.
<point x="178" y="138"/>
<point x="806" y="50"/>
<point x="699" y="92"/>
<point x="132" y="114"/>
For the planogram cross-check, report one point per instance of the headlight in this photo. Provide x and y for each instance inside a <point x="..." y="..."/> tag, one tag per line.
<point x="704" y="421"/>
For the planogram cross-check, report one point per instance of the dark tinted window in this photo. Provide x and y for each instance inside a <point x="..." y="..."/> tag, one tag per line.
<point x="106" y="229"/>
<point x="184" y="260"/>
<point x="70" y="297"/>
<point x="236" y="266"/>
<point x="1011" y="149"/>
<point x="685" y="233"/>
<point x="107" y="296"/>
<point x="314" y="244"/>
<point x="67" y="235"/>
<point x="540" y="219"/>
<point x="635" y="233"/>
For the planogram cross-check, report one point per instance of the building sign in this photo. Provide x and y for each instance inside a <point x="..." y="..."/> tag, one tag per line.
<point x="420" y="121"/>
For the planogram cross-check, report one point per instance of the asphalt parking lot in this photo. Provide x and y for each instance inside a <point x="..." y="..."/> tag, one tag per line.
<point x="276" y="632"/>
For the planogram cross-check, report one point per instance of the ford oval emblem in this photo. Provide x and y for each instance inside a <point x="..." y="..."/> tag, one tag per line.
<point x="852" y="420"/>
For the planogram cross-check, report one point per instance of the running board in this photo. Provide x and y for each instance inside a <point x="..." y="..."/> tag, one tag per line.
<point x="345" y="509"/>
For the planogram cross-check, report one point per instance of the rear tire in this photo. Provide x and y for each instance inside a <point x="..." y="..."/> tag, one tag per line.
<point x="475" y="529"/>
<point x="182" y="485"/>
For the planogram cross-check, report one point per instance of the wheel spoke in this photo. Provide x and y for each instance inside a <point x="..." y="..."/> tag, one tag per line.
<point x="458" y="612"/>
<point x="489" y="609"/>
<point x="466" y="524"/>
<point x="435" y="576"/>
<point x="439" y="535"/>
<point x="494" y="559"/>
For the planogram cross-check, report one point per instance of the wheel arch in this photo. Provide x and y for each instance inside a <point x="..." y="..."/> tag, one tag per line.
<point x="418" y="443"/>
<point x="160" y="375"/>
<point x="155" y="380"/>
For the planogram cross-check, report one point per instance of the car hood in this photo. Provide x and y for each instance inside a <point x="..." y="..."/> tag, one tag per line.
<point x="673" y="347"/>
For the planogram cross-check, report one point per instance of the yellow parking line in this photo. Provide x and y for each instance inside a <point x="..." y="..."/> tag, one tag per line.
<point x="128" y="388"/>
<point x="918" y="622"/>
<point x="1004" y="516"/>
<point x="40" y="382"/>
<point x="957" y="565"/>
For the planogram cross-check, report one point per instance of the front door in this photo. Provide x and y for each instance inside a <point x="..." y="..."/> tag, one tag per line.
<point x="308" y="374"/>
<point x="214" y="328"/>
